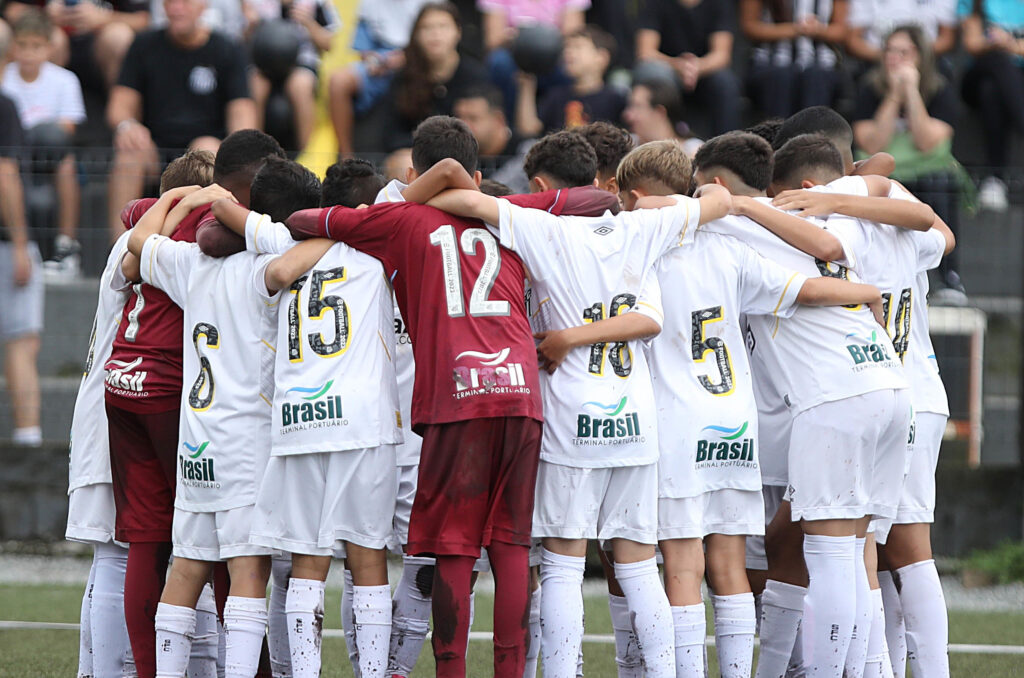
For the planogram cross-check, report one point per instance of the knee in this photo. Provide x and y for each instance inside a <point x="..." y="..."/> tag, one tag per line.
<point x="113" y="41"/>
<point x="344" y="82"/>
<point x="301" y="84"/>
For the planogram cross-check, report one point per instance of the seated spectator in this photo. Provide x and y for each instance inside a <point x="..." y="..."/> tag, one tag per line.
<point x="97" y="34"/>
<point x="588" y="53"/>
<point x="434" y="75"/>
<point x="381" y="37"/>
<point x="906" y="108"/>
<point x="793" y="63"/>
<point x="181" y="86"/>
<point x="315" y="22"/>
<point x="655" y="113"/>
<point x="871" y="20"/>
<point x="695" y="37"/>
<point x="502" y="20"/>
<point x="501" y="150"/>
<point x="994" y="84"/>
<point x="47" y="97"/>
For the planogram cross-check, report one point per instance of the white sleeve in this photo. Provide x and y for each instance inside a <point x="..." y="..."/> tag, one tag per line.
<point x="648" y="302"/>
<point x="264" y="236"/>
<point x="945" y="12"/>
<point x="166" y="263"/>
<point x="674" y="226"/>
<point x="931" y="247"/>
<point x="766" y="288"/>
<point x="849" y="185"/>
<point x="72" y="106"/>
<point x="860" y="13"/>
<point x="392" y="192"/>
<point x="118" y="282"/>
<point x="534" y="235"/>
<point x="853" y="236"/>
<point x="259" y="277"/>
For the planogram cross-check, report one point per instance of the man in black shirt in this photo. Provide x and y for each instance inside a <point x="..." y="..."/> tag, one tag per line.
<point x="180" y="87"/>
<point x="695" y="37"/>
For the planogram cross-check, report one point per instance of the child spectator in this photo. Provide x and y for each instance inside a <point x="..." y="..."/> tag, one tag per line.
<point x="48" y="95"/>
<point x="588" y="53"/>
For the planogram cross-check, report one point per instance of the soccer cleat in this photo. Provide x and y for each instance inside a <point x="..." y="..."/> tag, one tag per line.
<point x="66" y="263"/>
<point x="992" y="195"/>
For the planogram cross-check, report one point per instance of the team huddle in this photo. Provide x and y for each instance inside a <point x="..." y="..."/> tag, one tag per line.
<point x="740" y="387"/>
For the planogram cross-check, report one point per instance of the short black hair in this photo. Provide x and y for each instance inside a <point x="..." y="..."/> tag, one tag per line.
<point x="493" y="96"/>
<point x="597" y="35"/>
<point x="816" y="120"/>
<point x="565" y="157"/>
<point x="442" y="136"/>
<point x="351" y="183"/>
<point x="767" y="129"/>
<point x="282" y="187"/>
<point x="746" y="155"/>
<point x="494" y="188"/>
<point x="805" y="155"/>
<point x="610" y="144"/>
<point x="244" y="151"/>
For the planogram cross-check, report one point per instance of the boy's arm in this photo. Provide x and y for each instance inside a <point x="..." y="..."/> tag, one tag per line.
<point x="150" y="223"/>
<point x="916" y="216"/>
<point x="191" y="202"/>
<point x="715" y="202"/>
<point x="448" y="173"/>
<point x="230" y="214"/>
<point x="468" y="203"/>
<point x="880" y="163"/>
<point x="216" y="240"/>
<point x="556" y="345"/>
<point x="826" y="291"/>
<point x="798" y="232"/>
<point x="286" y="269"/>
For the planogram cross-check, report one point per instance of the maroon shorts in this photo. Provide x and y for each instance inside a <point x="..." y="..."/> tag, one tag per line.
<point x="143" y="454"/>
<point x="476" y="483"/>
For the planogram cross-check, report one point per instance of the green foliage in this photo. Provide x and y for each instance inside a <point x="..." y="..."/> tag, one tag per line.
<point x="1004" y="564"/>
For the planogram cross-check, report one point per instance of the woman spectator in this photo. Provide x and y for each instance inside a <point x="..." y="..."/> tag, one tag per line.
<point x="993" y="33"/>
<point x="906" y="108"/>
<point x="434" y="75"/>
<point x="795" y="54"/>
<point x="871" y="20"/>
<point x="655" y="113"/>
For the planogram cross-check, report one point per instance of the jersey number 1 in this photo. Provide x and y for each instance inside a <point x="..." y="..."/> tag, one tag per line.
<point x="479" y="304"/>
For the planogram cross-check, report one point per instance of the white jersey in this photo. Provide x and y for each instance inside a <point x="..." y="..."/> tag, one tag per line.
<point x="224" y="435"/>
<point x="90" y="444"/>
<point x="334" y="373"/>
<point x="774" y="420"/>
<point x="893" y="259"/>
<point x="599" y="405"/>
<point x="820" y="353"/>
<point x="699" y="363"/>
<point x="408" y="452"/>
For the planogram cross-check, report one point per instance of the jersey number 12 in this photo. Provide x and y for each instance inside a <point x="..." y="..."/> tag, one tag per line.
<point x="479" y="304"/>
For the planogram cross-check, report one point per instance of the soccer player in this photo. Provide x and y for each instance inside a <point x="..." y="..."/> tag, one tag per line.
<point x="610" y="144"/>
<point x="143" y="390"/>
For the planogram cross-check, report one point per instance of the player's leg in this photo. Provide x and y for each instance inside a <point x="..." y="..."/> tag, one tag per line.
<point x="895" y="630"/>
<point x="684" y="571"/>
<point x="865" y="567"/>
<point x="733" y="603"/>
<point x="85" y="663"/>
<point x="175" y="618"/>
<point x="561" y="576"/>
<point x="534" y="643"/>
<point x="410" y="619"/>
<point x="205" y="651"/>
<point x="300" y="87"/>
<point x="304" y="609"/>
<point x="277" y="622"/>
<point x="245" y="613"/>
<point x="110" y="644"/>
<point x="371" y="606"/>
<point x="511" y="570"/>
<point x="782" y="604"/>
<point x="627" y="651"/>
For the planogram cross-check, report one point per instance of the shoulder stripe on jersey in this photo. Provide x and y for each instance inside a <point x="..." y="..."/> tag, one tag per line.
<point x="782" y="297"/>
<point x="384" y="344"/>
<point x="653" y="308"/>
<point x="558" y="195"/>
<point x="686" y="222"/>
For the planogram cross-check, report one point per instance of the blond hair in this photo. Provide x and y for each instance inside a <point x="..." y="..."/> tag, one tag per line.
<point x="659" y="166"/>
<point x="194" y="168"/>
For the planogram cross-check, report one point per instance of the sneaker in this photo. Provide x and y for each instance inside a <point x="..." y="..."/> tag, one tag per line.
<point x="66" y="262"/>
<point x="952" y="292"/>
<point x="992" y="195"/>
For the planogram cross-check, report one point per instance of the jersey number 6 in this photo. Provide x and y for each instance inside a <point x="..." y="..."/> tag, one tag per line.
<point x="201" y="395"/>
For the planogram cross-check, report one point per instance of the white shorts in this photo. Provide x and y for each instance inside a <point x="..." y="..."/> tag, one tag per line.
<point x="91" y="514"/>
<point x="597" y="503"/>
<point x="846" y="457"/>
<point x="773" y="431"/>
<point x="917" y="499"/>
<point x="723" y="511"/>
<point x="215" y="536"/>
<point x="406" y="493"/>
<point x="772" y="496"/>
<point x="21" y="307"/>
<point x="312" y="503"/>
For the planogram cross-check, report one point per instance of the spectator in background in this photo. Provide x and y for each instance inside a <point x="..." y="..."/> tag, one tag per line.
<point x="993" y="34"/>
<point x="793" y="63"/>
<point x="906" y="108"/>
<point x="695" y="37"/>
<point x="501" y="21"/>
<point x="871" y="20"/>
<point x="315" y="22"/>
<point x="98" y="34"/>
<point x="224" y="16"/>
<point x="501" y="150"/>
<point x="618" y="17"/>
<point x="21" y="286"/>
<point x="48" y="96"/>
<point x="655" y="113"/>
<point x="381" y="37"/>
<point x="434" y="75"/>
<point x="587" y="55"/>
<point x="181" y="86"/>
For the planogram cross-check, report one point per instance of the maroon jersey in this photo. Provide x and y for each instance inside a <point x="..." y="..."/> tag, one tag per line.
<point x="461" y="295"/>
<point x="144" y="368"/>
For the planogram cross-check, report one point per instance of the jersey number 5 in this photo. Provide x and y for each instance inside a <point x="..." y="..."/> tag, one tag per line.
<point x="479" y="304"/>
<point x="201" y="395"/>
<point x="701" y="346"/>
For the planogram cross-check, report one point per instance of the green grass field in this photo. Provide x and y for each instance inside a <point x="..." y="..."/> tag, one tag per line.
<point x="53" y="654"/>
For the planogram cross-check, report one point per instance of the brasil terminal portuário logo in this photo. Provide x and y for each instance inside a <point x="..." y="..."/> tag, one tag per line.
<point x="315" y="410"/>
<point x="314" y="393"/>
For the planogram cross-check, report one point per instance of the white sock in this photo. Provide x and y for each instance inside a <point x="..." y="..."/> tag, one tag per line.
<point x="924" y="612"/>
<point x="561" y="612"/>
<point x="831" y="603"/>
<point x="410" y="618"/>
<point x="895" y="631"/>
<point x="245" y="627"/>
<point x="651" y="615"/>
<point x="734" y="634"/>
<point x="690" y="627"/>
<point x="305" y="610"/>
<point x="878" y="664"/>
<point x="857" y="654"/>
<point x="782" y="607"/>
<point x="627" y="651"/>
<point x="85" y="627"/>
<point x="757" y="613"/>
<point x="111" y="651"/>
<point x="372" y="608"/>
<point x="174" y="628"/>
<point x="796" y="668"/>
<point x="29" y="436"/>
<point x="472" y="612"/>
<point x="533" y="641"/>
<point x="277" y="623"/>
<point x="202" y="661"/>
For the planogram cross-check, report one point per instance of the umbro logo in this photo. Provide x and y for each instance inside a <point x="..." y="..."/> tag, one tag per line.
<point x="603" y="230"/>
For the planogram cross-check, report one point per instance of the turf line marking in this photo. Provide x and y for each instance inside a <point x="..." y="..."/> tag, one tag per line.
<point x="600" y="638"/>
